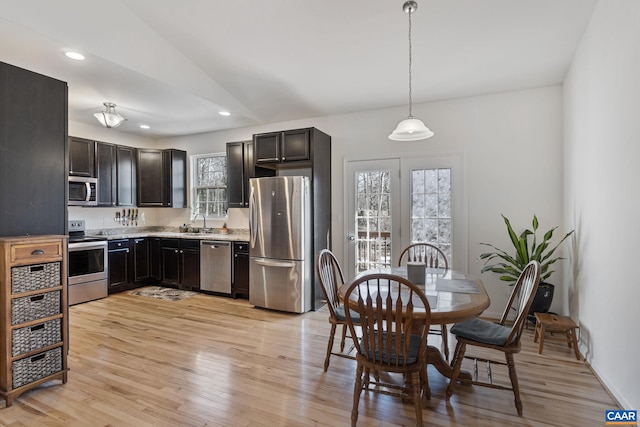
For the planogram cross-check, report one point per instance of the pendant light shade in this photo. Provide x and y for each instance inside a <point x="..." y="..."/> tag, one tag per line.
<point x="109" y="118"/>
<point x="410" y="129"/>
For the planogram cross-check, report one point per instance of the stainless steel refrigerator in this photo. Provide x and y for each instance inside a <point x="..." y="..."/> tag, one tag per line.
<point x="280" y="248"/>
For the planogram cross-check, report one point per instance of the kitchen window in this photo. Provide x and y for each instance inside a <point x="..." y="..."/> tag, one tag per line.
<point x="209" y="185"/>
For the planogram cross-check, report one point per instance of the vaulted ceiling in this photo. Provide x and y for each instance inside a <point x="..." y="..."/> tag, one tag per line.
<point x="175" y="65"/>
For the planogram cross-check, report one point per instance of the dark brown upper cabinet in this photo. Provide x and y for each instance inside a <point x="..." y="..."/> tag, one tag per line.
<point x="126" y="176"/>
<point x="81" y="157"/>
<point x="282" y="147"/>
<point x="162" y="178"/>
<point x="106" y="173"/>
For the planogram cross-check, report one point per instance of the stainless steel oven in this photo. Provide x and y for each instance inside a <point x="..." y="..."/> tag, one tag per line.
<point x="87" y="265"/>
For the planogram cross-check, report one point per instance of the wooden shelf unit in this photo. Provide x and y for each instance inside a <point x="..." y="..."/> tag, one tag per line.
<point x="34" y="312"/>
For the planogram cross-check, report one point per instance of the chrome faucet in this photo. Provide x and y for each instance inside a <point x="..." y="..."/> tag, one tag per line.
<point x="204" y="221"/>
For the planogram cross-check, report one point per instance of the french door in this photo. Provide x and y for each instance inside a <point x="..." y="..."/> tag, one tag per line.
<point x="373" y="218"/>
<point x="392" y="203"/>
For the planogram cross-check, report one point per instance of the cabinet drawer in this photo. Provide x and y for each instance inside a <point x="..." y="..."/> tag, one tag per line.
<point x="35" y="277"/>
<point x="24" y="340"/>
<point x="118" y="244"/>
<point x="34" y="252"/>
<point x="241" y="247"/>
<point x="33" y="368"/>
<point x="34" y="307"/>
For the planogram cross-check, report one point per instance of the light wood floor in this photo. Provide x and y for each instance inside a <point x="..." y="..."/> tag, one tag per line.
<point x="210" y="361"/>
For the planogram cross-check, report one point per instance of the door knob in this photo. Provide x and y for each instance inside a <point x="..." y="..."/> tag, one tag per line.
<point x="351" y="238"/>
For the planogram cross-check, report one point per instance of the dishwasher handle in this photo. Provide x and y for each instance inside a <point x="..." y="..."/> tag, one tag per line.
<point x="215" y="245"/>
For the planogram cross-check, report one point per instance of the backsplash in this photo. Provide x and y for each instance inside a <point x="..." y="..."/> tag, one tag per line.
<point x="106" y="218"/>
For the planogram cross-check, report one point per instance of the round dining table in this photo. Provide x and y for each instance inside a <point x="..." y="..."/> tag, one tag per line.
<point x="453" y="297"/>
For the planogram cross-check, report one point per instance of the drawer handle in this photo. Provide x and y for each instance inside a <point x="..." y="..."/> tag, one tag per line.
<point x="37" y="298"/>
<point x="37" y="252"/>
<point x="37" y="268"/>
<point x="37" y="327"/>
<point x="38" y="357"/>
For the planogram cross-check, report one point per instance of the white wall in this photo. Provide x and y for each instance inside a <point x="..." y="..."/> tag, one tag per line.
<point x="602" y="109"/>
<point x="511" y="143"/>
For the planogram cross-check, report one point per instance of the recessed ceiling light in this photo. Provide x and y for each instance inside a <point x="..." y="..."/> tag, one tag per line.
<point x="145" y="127"/>
<point x="224" y="113"/>
<point x="75" y="55"/>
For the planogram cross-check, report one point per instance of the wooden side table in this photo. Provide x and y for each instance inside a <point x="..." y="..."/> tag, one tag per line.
<point x="546" y="322"/>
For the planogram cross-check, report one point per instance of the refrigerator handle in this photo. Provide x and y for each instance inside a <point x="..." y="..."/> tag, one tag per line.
<point x="252" y="214"/>
<point x="270" y="263"/>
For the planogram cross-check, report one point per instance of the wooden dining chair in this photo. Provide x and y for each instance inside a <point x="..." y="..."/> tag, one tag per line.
<point x="392" y="340"/>
<point x="331" y="278"/>
<point x="434" y="258"/>
<point x="498" y="336"/>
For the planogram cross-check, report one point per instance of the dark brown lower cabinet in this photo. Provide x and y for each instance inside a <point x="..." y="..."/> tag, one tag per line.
<point x="141" y="261"/>
<point x="120" y="265"/>
<point x="240" y="270"/>
<point x="181" y="263"/>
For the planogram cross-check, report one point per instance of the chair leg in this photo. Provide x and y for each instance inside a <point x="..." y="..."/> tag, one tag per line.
<point x="514" y="382"/>
<point x="458" y="356"/>
<point x="329" y="346"/>
<point x="445" y="341"/>
<point x="424" y="375"/>
<point x="344" y="336"/>
<point x="357" y="389"/>
<point x="417" y="401"/>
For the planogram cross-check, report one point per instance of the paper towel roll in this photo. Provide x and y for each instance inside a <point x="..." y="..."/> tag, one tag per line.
<point x="416" y="272"/>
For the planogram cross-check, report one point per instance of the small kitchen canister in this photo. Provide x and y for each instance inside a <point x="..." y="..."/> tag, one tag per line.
<point x="416" y="272"/>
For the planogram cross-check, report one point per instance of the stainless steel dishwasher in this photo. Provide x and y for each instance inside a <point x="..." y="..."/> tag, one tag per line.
<point x="215" y="266"/>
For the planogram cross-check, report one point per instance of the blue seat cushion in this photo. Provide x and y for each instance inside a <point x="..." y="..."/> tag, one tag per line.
<point x="355" y="316"/>
<point x="482" y="331"/>
<point x="389" y="357"/>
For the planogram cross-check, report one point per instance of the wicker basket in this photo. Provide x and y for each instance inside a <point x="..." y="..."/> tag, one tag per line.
<point x="30" y="338"/>
<point x="35" y="277"/>
<point x="34" y="307"/>
<point x="33" y="368"/>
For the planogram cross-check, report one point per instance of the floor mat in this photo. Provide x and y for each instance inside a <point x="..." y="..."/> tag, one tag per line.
<point x="159" y="292"/>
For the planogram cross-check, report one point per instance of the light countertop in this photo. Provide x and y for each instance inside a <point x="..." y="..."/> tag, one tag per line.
<point x="120" y="233"/>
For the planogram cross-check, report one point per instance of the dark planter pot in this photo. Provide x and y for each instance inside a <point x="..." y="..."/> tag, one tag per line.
<point x="542" y="300"/>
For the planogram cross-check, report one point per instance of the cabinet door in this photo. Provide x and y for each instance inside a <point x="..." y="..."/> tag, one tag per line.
<point x="190" y="269"/>
<point x="155" y="259"/>
<point x="295" y="145"/>
<point x="240" y="279"/>
<point x="118" y="269"/>
<point x="81" y="157"/>
<point x="126" y="176"/>
<point x="106" y="173"/>
<point x="171" y="265"/>
<point x="141" y="260"/>
<point x="150" y="177"/>
<point x="249" y="171"/>
<point x="266" y="147"/>
<point x="235" y="175"/>
<point x="175" y="178"/>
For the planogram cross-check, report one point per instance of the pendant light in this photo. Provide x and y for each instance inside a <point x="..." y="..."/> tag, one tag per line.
<point x="410" y="129"/>
<point x="109" y="118"/>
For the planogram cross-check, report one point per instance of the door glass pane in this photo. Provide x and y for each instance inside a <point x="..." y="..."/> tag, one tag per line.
<point x="431" y="209"/>
<point x="373" y="220"/>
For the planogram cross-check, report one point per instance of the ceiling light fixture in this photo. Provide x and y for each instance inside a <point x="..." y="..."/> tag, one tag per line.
<point x="224" y="113"/>
<point x="145" y="127"/>
<point x="109" y="118"/>
<point x="410" y="129"/>
<point x="74" y="55"/>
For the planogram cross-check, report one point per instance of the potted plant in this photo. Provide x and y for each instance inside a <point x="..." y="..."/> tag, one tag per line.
<point x="509" y="266"/>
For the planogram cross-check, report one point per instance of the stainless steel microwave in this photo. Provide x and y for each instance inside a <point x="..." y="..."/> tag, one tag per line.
<point x="83" y="191"/>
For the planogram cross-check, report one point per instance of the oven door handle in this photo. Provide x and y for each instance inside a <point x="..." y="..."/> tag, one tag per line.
<point x="84" y="245"/>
